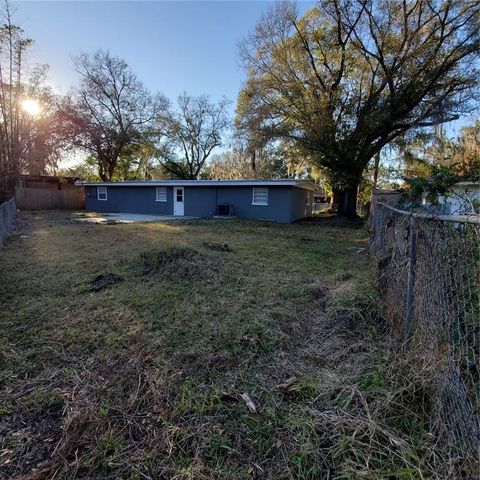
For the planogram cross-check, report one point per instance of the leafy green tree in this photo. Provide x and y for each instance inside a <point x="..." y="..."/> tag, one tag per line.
<point x="141" y="161"/>
<point x="467" y="153"/>
<point x="86" y="170"/>
<point x="433" y="148"/>
<point x="350" y="76"/>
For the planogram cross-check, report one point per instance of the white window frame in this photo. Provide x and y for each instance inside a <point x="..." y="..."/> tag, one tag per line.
<point x="307" y="202"/>
<point x="163" y="196"/>
<point x="101" y="191"/>
<point x="253" y="196"/>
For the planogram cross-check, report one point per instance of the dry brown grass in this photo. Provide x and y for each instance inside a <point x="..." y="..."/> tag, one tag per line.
<point x="180" y="264"/>
<point x="144" y="379"/>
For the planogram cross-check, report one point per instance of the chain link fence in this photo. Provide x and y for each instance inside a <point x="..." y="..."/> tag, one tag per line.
<point x="8" y="212"/>
<point x="429" y="286"/>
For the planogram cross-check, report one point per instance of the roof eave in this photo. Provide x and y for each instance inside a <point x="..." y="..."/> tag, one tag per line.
<point x="306" y="184"/>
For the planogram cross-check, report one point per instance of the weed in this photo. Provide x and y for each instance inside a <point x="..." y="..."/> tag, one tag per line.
<point x="179" y="264"/>
<point x="144" y="380"/>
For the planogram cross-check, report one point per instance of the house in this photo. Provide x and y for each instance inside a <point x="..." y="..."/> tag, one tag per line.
<point x="277" y="200"/>
<point x="464" y="198"/>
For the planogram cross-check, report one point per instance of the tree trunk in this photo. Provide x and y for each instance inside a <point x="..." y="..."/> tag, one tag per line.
<point x="376" y="167"/>
<point x="345" y="202"/>
<point x="101" y="173"/>
<point x="111" y="169"/>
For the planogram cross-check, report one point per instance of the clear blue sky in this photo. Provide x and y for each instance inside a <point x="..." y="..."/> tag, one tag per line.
<point x="172" y="46"/>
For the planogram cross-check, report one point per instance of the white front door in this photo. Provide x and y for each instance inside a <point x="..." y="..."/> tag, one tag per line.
<point x="178" y="198"/>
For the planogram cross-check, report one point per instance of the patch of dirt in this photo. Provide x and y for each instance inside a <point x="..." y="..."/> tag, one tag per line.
<point x="222" y="247"/>
<point x="320" y="294"/>
<point x="104" y="280"/>
<point x="180" y="264"/>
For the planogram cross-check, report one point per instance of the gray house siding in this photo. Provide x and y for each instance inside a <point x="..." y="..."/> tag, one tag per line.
<point x="285" y="203"/>
<point x="278" y="208"/>
<point x="129" y="200"/>
<point x="199" y="201"/>
<point x="299" y="207"/>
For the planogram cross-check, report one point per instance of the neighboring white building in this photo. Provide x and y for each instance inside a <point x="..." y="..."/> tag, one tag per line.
<point x="464" y="199"/>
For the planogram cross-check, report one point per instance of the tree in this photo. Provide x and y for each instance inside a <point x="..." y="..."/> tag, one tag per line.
<point x="195" y="129"/>
<point x="248" y="129"/>
<point x="86" y="170"/>
<point x="110" y="111"/>
<point x="468" y="152"/>
<point x="142" y="162"/>
<point x="433" y="148"/>
<point x="29" y="139"/>
<point x="350" y="76"/>
<point x="236" y="164"/>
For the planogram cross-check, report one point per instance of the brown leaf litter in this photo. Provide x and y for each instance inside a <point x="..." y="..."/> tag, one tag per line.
<point x="180" y="264"/>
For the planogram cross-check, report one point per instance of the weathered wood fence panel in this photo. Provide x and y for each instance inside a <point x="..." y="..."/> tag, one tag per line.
<point x="389" y="197"/>
<point x="8" y="212"/>
<point x="49" y="199"/>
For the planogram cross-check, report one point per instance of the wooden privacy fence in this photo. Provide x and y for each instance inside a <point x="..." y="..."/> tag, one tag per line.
<point x="8" y="211"/>
<point x="389" y="197"/>
<point x="48" y="199"/>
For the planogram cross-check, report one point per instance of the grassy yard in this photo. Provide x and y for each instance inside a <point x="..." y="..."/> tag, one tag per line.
<point x="260" y="362"/>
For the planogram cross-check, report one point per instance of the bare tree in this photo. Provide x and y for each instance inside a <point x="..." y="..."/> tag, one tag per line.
<point x="195" y="129"/>
<point x="350" y="76"/>
<point x="235" y="163"/>
<point x="110" y="110"/>
<point x="29" y="140"/>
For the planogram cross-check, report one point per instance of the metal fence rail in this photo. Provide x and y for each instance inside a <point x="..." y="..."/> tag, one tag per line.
<point x="8" y="212"/>
<point x="429" y="285"/>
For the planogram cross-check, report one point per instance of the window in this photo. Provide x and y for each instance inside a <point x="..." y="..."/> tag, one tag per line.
<point x="161" y="194"/>
<point x="260" y="196"/>
<point x="180" y="195"/>
<point x="307" y="200"/>
<point x="101" y="193"/>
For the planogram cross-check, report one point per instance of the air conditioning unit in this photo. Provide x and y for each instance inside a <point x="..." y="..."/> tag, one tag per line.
<point x="224" y="210"/>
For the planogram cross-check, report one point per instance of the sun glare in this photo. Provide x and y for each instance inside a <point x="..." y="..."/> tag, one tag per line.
<point x="32" y="107"/>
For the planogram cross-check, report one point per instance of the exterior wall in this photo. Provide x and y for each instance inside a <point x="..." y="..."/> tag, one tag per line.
<point x="278" y="208"/>
<point x="129" y="200"/>
<point x="285" y="203"/>
<point x="199" y="201"/>
<point x="462" y="199"/>
<point x="299" y="207"/>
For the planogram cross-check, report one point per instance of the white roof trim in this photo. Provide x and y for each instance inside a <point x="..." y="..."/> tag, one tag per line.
<point x="467" y="183"/>
<point x="307" y="184"/>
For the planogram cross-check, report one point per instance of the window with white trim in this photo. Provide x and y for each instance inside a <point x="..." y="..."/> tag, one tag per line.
<point x="101" y="193"/>
<point x="260" y="196"/>
<point x="161" y="194"/>
<point x="307" y="199"/>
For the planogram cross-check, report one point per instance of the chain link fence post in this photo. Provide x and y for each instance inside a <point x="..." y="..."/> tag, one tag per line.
<point x="410" y="304"/>
<point x="429" y="294"/>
